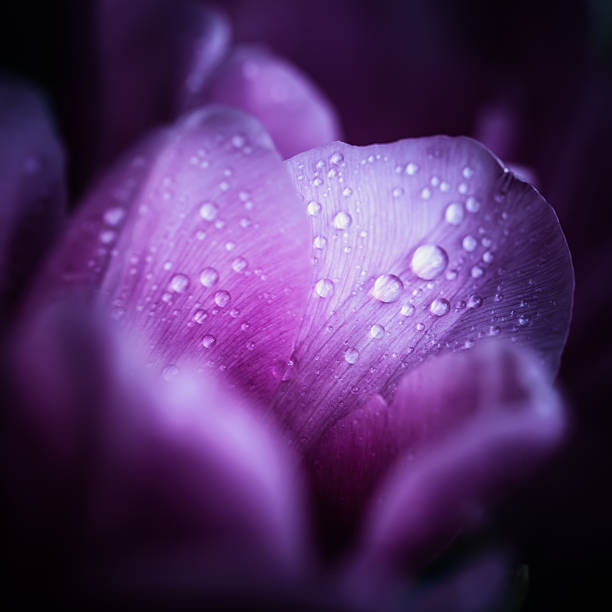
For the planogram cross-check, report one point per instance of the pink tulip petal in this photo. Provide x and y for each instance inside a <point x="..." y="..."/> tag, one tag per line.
<point x="287" y="102"/>
<point x="32" y="187"/>
<point x="419" y="246"/>
<point x="199" y="240"/>
<point x="131" y="477"/>
<point x="471" y="427"/>
<point x="152" y="52"/>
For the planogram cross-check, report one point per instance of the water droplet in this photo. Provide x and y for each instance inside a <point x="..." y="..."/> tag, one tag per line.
<point x="429" y="261"/>
<point x="114" y="216"/>
<point x="472" y="204"/>
<point x="342" y="220"/>
<point x="523" y="320"/>
<point x="238" y="141"/>
<point x="407" y="310"/>
<point x="419" y="327"/>
<point x="313" y="208"/>
<point x="487" y="257"/>
<point x="347" y="192"/>
<point x="469" y="243"/>
<point x="208" y="341"/>
<point x="199" y="316"/>
<point x="239" y="264"/>
<point x="474" y="301"/>
<point x="222" y="298"/>
<point x="250" y="346"/>
<point x="454" y="213"/>
<point x="439" y="307"/>
<point x="397" y="192"/>
<point x="494" y="330"/>
<point x="387" y="288"/>
<point x="377" y="331"/>
<point x="209" y="277"/>
<point x="178" y="283"/>
<point x="324" y="288"/>
<point x="336" y="158"/>
<point x="319" y="242"/>
<point x="468" y="173"/>
<point x="426" y="193"/>
<point x="412" y="169"/>
<point x="351" y="355"/>
<point x="230" y="246"/>
<point x="209" y="211"/>
<point x="477" y="272"/>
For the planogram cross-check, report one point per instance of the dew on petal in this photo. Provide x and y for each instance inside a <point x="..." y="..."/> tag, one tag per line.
<point x="469" y="243"/>
<point x="222" y="298"/>
<point x="319" y="242"/>
<point x="477" y="272"/>
<point x="178" y="283"/>
<point x="387" y="288"/>
<point x="208" y="340"/>
<point x="377" y="331"/>
<point x="342" y="220"/>
<point x="209" y="277"/>
<point x="199" y="316"/>
<point x="114" y="216"/>
<point x="313" y="208"/>
<point x="351" y="355"/>
<point x="407" y="310"/>
<point x="209" y="211"/>
<point x="239" y="264"/>
<point x="324" y="288"/>
<point x="439" y="307"/>
<point x="454" y="213"/>
<point x="474" y="301"/>
<point x="429" y="261"/>
<point x="472" y="204"/>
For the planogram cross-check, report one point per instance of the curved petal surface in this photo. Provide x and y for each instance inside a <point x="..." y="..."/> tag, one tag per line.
<point x="125" y="479"/>
<point x="467" y="441"/>
<point x="418" y="247"/>
<point x="32" y="187"/>
<point x="199" y="240"/>
<point x="294" y="111"/>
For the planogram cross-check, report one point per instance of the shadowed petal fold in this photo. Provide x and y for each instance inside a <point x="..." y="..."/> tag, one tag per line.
<point x="418" y="247"/>
<point x="198" y="239"/>
<point x="126" y="481"/>
<point x="467" y="428"/>
<point x="32" y="187"/>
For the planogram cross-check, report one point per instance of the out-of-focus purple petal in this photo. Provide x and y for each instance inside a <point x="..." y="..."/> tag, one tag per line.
<point x="462" y="460"/>
<point x="294" y="111"/>
<point x="153" y="53"/>
<point x="124" y="477"/>
<point x="198" y="239"/>
<point x="419" y="247"/>
<point x="32" y="187"/>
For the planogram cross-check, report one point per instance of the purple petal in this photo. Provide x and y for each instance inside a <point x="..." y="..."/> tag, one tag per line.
<point x="131" y="477"/>
<point x="32" y="187"/>
<point x="152" y="55"/>
<point x="294" y="111"/>
<point x="199" y="240"/>
<point x="471" y="427"/>
<point x="419" y="246"/>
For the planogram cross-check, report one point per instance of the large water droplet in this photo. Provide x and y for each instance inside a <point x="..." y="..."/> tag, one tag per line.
<point x="324" y="288"/>
<point x="178" y="283"/>
<point x="351" y="355"/>
<point x="209" y="211"/>
<point x="342" y="220"/>
<point x="222" y="298"/>
<point x="454" y="213"/>
<point x="439" y="307"/>
<point x="429" y="261"/>
<point x="387" y="288"/>
<point x="209" y="277"/>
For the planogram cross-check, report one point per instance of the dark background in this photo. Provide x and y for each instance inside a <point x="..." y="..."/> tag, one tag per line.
<point x="398" y="69"/>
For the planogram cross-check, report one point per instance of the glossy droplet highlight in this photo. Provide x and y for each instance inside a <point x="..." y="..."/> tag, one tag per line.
<point x="208" y="340"/>
<point x="178" y="283"/>
<point x="313" y="208"/>
<point x="377" y="331"/>
<point x="209" y="277"/>
<point x="351" y="355"/>
<point x="342" y="220"/>
<point x="239" y="264"/>
<point x="429" y="261"/>
<point x="469" y="243"/>
<point x="209" y="211"/>
<point x="222" y="298"/>
<point x="439" y="307"/>
<point x="324" y="288"/>
<point x="387" y="288"/>
<point x="454" y="213"/>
